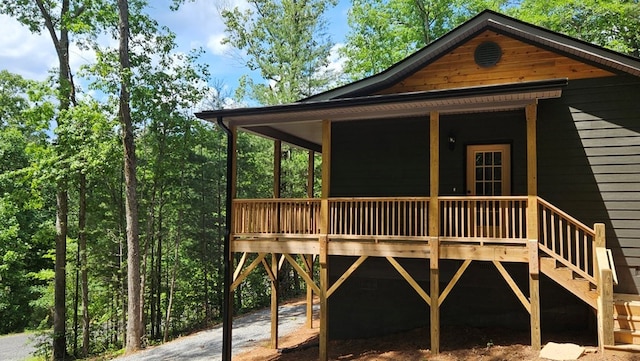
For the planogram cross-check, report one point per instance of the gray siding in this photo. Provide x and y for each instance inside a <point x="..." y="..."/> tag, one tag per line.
<point x="589" y="162"/>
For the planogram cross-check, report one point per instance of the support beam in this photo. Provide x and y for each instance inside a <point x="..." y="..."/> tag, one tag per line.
<point x="531" y="112"/>
<point x="324" y="281"/>
<point x="346" y="275"/>
<point x="412" y="282"/>
<point x="243" y="259"/>
<point x="277" y="168"/>
<point x="454" y="280"/>
<point x="514" y="287"/>
<point x="309" y="258"/>
<point x="274" y="301"/>
<point x="247" y="271"/>
<point x="302" y="273"/>
<point x="434" y="228"/>
<point x="323" y="354"/>
<point x="534" y="294"/>
<point x="308" y="261"/>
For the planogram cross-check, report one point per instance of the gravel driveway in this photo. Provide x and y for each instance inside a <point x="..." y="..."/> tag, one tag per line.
<point x="248" y="332"/>
<point x="16" y="347"/>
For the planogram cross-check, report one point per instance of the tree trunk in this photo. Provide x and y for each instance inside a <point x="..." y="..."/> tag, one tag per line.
<point x="82" y="244"/>
<point x="134" y="324"/>
<point x="59" y="312"/>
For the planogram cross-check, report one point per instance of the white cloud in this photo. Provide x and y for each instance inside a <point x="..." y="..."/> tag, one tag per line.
<point x="214" y="43"/>
<point x="22" y="52"/>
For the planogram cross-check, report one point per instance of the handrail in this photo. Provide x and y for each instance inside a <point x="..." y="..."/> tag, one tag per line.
<point x="566" y="239"/>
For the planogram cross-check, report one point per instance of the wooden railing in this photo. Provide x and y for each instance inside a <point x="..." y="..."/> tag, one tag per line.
<point x="483" y="219"/>
<point x="264" y="217"/>
<point x="567" y="240"/>
<point x="405" y="218"/>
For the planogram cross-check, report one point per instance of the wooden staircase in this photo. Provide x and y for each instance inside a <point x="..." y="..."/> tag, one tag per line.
<point x="570" y="280"/>
<point x="626" y="314"/>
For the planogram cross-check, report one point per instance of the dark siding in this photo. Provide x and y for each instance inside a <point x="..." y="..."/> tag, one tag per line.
<point x="589" y="162"/>
<point x="483" y="128"/>
<point x="380" y="158"/>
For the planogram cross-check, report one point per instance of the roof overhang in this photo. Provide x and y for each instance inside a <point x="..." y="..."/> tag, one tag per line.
<point x="300" y="123"/>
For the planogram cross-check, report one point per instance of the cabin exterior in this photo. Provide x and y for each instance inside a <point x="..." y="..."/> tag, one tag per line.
<point x="493" y="177"/>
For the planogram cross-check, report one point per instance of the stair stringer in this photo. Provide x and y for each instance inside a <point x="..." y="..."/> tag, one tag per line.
<point x="563" y="276"/>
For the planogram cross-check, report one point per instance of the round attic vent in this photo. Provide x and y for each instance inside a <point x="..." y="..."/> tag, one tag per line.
<point x="487" y="54"/>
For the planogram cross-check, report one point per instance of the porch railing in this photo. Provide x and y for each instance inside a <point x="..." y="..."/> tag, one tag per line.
<point x="404" y="217"/>
<point x="277" y="217"/>
<point x="483" y="219"/>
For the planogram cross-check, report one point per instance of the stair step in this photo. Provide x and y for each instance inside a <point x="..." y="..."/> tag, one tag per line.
<point x="624" y="323"/>
<point x="626" y="336"/>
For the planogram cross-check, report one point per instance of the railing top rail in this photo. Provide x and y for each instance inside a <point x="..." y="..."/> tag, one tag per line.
<point x="576" y="222"/>
<point x="373" y="199"/>
<point x="276" y="200"/>
<point x="482" y="198"/>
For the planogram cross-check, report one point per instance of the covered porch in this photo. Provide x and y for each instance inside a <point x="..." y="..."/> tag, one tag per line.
<point x="506" y="228"/>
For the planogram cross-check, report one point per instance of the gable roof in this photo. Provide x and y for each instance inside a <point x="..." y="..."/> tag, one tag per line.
<point x="299" y="123"/>
<point x="487" y="20"/>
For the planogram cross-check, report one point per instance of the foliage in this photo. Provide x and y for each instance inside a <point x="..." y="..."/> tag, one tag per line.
<point x="399" y="28"/>
<point x="614" y="24"/>
<point x="292" y="66"/>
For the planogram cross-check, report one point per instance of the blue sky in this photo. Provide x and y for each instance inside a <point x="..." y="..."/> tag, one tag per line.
<point x="196" y="24"/>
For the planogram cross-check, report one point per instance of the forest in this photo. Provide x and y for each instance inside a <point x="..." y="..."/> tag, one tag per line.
<point x="112" y="194"/>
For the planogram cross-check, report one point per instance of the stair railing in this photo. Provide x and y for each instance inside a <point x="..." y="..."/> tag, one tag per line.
<point x="567" y="240"/>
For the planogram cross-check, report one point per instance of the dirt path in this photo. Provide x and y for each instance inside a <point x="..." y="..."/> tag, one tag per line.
<point x="249" y="331"/>
<point x="16" y="347"/>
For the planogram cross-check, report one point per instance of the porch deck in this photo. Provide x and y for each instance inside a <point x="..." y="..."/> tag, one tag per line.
<point x="476" y="228"/>
<point x="524" y="229"/>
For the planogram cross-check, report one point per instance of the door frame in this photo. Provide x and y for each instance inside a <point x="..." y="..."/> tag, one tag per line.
<point x="503" y="147"/>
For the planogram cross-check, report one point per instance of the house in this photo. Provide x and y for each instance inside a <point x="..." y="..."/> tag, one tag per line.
<point x="491" y="177"/>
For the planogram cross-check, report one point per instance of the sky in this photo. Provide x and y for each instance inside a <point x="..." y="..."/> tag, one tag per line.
<point x="196" y="24"/>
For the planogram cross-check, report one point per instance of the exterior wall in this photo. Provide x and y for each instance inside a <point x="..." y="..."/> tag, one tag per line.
<point x="391" y="158"/>
<point x="483" y="128"/>
<point x="589" y="163"/>
<point x="380" y="158"/>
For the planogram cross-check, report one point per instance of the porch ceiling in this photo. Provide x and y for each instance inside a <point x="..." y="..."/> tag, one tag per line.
<point x="301" y="123"/>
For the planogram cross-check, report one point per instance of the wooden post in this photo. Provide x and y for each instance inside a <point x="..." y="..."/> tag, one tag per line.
<point x="308" y="257"/>
<point x="277" y="167"/>
<point x="604" y="281"/>
<point x="324" y="241"/>
<point x="274" y="301"/>
<point x="532" y="224"/>
<point x="434" y="229"/>
<point x="534" y="294"/>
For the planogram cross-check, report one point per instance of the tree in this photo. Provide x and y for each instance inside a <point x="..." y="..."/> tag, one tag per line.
<point x="59" y="19"/>
<point x="286" y="42"/>
<point x="400" y="27"/>
<point x="612" y="24"/>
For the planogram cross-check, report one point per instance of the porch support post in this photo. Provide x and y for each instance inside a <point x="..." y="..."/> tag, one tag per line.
<point x="532" y="224"/>
<point x="434" y="229"/>
<point x="309" y="257"/>
<point x="324" y="241"/>
<point x="274" y="301"/>
<point x="227" y="303"/>
<point x="277" y="168"/>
